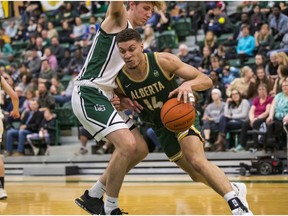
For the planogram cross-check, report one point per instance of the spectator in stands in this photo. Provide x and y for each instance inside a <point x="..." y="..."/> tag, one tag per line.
<point x="164" y="22"/>
<point x="258" y="113"/>
<point x="282" y="58"/>
<point x="34" y="62"/>
<point x="278" y="23"/>
<point x="46" y="131"/>
<point x="245" y="45"/>
<point x="257" y="19"/>
<point x="31" y="29"/>
<point x="215" y="66"/>
<point x="52" y="32"/>
<point x="30" y="122"/>
<point x="272" y="66"/>
<point x="86" y="42"/>
<point x="278" y="114"/>
<point x="79" y="29"/>
<point x="210" y="40"/>
<point x="261" y="78"/>
<point x="66" y="34"/>
<point x="29" y="96"/>
<point x="5" y="49"/>
<point x="235" y="113"/>
<point x="4" y="36"/>
<point x="237" y="34"/>
<point x="57" y="49"/>
<point x="92" y="21"/>
<point x="264" y="40"/>
<point x="21" y="33"/>
<point x="46" y="73"/>
<point x="44" y="36"/>
<point x="56" y="86"/>
<point x="282" y="75"/>
<point x="51" y="58"/>
<point x="32" y="42"/>
<point x="9" y="119"/>
<point x="64" y="62"/>
<point x="211" y="116"/>
<point x="217" y="84"/>
<point x="39" y="46"/>
<point x="217" y="22"/>
<point x="187" y="57"/>
<point x="65" y="95"/>
<point x="68" y="14"/>
<point x="227" y="77"/>
<point x="220" y="52"/>
<point x="46" y="100"/>
<point x="205" y="64"/>
<point x="11" y="30"/>
<point x="76" y="62"/>
<point x="260" y="61"/>
<point x="43" y="21"/>
<point x="242" y="83"/>
<point x="25" y="81"/>
<point x="149" y="39"/>
<point x="39" y="29"/>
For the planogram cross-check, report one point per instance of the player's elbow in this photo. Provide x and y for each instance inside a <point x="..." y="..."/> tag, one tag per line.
<point x="208" y="82"/>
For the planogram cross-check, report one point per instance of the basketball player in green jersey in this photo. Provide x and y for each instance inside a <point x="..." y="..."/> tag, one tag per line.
<point x="148" y="80"/>
<point x="91" y="104"/>
<point x="15" y="114"/>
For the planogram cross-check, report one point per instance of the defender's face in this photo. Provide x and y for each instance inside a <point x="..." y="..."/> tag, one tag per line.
<point x="131" y="52"/>
<point x="141" y="12"/>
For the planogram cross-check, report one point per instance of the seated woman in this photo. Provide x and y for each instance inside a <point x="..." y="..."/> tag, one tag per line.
<point x="211" y="116"/>
<point x="278" y="116"/>
<point x="261" y="78"/>
<point x="258" y="113"/>
<point x="235" y="113"/>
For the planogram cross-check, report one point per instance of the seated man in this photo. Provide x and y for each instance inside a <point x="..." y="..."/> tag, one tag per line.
<point x="30" y="122"/>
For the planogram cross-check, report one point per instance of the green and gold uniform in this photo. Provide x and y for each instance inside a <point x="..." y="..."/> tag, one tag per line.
<point x="152" y="92"/>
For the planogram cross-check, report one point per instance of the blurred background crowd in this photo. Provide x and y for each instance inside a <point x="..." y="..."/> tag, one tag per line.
<point x="241" y="46"/>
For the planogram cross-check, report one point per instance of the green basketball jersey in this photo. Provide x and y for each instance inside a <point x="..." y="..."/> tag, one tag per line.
<point x="151" y="92"/>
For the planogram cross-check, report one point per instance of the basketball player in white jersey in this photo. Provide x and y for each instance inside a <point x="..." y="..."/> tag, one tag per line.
<point x="15" y="114"/>
<point x="91" y="104"/>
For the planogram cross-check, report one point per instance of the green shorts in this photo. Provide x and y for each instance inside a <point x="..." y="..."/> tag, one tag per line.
<point x="96" y="113"/>
<point x="170" y="140"/>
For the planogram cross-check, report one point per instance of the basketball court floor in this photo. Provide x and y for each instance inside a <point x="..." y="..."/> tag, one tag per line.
<point x="141" y="195"/>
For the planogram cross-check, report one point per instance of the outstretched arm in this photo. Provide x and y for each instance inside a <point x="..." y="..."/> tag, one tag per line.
<point x="116" y="17"/>
<point x="14" y="97"/>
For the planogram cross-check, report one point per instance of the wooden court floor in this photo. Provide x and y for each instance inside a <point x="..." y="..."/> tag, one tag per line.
<point x="267" y="195"/>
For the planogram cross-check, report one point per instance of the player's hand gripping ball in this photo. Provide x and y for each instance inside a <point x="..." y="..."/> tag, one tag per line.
<point x="177" y="116"/>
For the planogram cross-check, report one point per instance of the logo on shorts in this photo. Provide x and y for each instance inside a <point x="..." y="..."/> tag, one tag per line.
<point x="100" y="108"/>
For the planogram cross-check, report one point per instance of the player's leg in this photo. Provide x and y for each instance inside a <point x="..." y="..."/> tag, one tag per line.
<point x="3" y="194"/>
<point x="193" y="151"/>
<point x="99" y="117"/>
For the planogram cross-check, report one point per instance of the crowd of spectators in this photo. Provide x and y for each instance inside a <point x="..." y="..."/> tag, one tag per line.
<point x="54" y="46"/>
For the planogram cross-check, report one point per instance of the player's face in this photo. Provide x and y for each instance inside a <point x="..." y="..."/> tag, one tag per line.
<point x="141" y="12"/>
<point x="131" y="52"/>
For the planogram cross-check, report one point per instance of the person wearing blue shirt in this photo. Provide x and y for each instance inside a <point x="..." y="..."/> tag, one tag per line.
<point x="246" y="44"/>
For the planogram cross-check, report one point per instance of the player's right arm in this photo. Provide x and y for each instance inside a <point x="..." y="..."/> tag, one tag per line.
<point x="116" y="18"/>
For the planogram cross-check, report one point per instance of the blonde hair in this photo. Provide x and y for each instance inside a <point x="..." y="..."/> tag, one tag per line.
<point x="284" y="57"/>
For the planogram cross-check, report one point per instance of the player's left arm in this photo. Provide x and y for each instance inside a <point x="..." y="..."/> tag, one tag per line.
<point x="194" y="79"/>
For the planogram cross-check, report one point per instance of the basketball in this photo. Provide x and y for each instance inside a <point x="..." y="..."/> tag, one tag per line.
<point x="177" y="116"/>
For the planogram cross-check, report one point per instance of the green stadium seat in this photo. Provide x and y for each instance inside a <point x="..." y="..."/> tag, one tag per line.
<point x="166" y="39"/>
<point x="183" y="28"/>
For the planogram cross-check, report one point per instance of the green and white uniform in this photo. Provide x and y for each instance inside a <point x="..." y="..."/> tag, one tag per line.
<point x="152" y="92"/>
<point x="94" y="88"/>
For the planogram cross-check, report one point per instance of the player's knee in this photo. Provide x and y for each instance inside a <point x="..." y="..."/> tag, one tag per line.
<point x="128" y="146"/>
<point x="197" y="162"/>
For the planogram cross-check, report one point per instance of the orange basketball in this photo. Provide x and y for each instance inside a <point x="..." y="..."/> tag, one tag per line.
<point x="177" y="116"/>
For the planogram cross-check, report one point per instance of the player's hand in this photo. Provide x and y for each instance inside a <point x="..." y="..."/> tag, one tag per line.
<point x="116" y="102"/>
<point x="185" y="91"/>
<point x="132" y="105"/>
<point x="15" y="114"/>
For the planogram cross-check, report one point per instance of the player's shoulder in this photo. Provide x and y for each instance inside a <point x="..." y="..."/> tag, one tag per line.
<point x="166" y="57"/>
